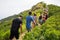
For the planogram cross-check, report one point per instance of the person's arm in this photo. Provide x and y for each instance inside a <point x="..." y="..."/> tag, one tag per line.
<point x="21" y="28"/>
<point x="33" y="20"/>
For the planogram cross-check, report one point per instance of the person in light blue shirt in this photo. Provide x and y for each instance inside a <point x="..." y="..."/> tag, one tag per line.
<point x="29" y="19"/>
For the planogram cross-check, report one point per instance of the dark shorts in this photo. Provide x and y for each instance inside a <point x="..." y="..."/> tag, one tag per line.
<point x="14" y="34"/>
<point x="28" y="29"/>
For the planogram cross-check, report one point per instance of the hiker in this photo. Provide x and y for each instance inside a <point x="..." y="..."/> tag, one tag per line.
<point x="16" y="24"/>
<point x="35" y="19"/>
<point x="29" y="18"/>
<point x="46" y="13"/>
<point x="42" y="19"/>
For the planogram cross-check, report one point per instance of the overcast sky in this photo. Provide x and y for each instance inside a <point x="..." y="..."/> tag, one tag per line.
<point x="11" y="7"/>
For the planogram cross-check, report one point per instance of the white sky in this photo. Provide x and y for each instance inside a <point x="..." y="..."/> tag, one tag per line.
<point x="11" y="7"/>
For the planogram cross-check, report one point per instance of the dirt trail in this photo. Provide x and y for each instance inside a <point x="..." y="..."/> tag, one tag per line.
<point x="22" y="36"/>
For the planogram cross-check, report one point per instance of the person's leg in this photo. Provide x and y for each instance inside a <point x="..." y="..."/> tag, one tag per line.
<point x="29" y="29"/>
<point x="11" y="36"/>
<point x="17" y="35"/>
<point x="16" y="39"/>
<point x="33" y="25"/>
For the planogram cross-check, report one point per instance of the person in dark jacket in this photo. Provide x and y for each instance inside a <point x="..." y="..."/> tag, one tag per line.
<point x="16" y="24"/>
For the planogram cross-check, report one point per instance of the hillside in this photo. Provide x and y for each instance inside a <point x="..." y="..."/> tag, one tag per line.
<point x="48" y="30"/>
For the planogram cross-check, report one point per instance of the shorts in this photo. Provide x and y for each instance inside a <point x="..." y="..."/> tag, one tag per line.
<point x="14" y="34"/>
<point x="28" y="29"/>
<point x="41" y="21"/>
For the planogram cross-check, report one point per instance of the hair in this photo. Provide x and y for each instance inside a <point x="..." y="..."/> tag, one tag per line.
<point x="30" y="13"/>
<point x="34" y="14"/>
<point x="20" y="16"/>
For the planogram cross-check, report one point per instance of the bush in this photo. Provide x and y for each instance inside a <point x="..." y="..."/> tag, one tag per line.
<point x="5" y="36"/>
